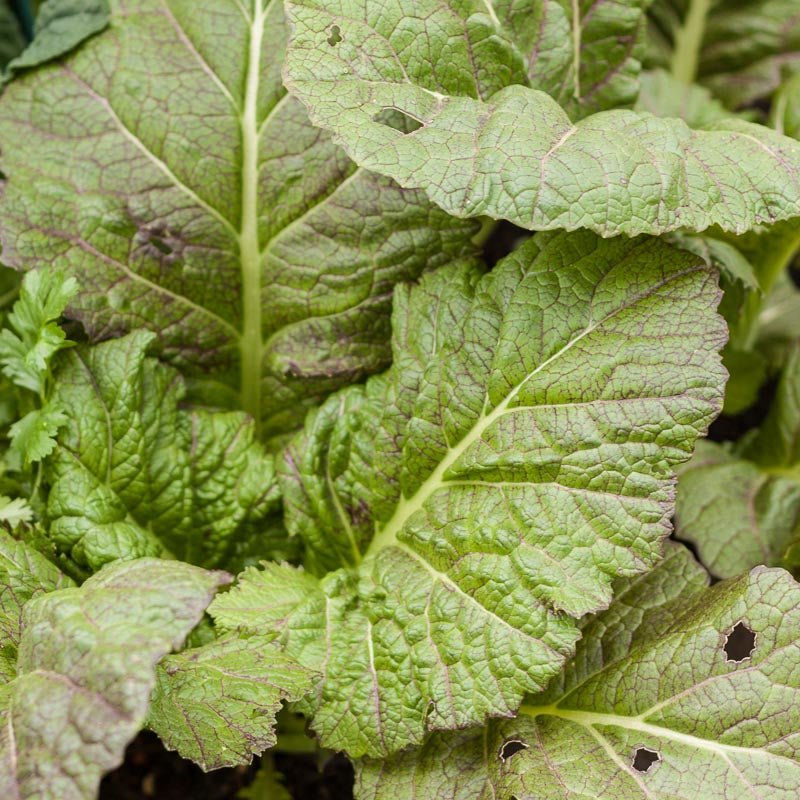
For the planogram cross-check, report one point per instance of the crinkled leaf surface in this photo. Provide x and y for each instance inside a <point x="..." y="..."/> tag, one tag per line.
<point x="742" y="509"/>
<point x="651" y="673"/>
<point x="24" y="573"/>
<point x="85" y="671"/>
<point x="734" y="513"/>
<point x="585" y="55"/>
<point x="514" y="153"/>
<point x="135" y="475"/>
<point x="164" y="164"/>
<point x="61" y="25"/>
<point x="216" y="704"/>
<point x="516" y="457"/>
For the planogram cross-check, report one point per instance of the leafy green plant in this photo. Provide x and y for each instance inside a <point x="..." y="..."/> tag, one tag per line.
<point x="361" y="361"/>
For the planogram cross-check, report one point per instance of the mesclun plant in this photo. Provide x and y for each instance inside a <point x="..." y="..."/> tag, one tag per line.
<point x="275" y="331"/>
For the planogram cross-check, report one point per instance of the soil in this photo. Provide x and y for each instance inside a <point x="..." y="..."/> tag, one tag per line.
<point x="150" y="772"/>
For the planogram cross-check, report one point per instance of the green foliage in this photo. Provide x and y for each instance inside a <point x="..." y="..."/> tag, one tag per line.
<point x="488" y="145"/>
<point x="742" y="507"/>
<point x="259" y="332"/>
<point x="27" y="346"/>
<point x="61" y="25"/>
<point x="220" y="219"/>
<point x="135" y="475"/>
<point x="651" y="673"/>
<point x="237" y="681"/>
<point x="86" y="664"/>
<point x="538" y="425"/>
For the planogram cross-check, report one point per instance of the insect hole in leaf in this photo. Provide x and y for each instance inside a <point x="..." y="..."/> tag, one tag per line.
<point x="510" y="748"/>
<point x="739" y="643"/>
<point x="644" y="758"/>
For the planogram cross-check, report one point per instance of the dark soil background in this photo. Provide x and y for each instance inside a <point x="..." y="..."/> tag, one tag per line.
<point x="152" y="773"/>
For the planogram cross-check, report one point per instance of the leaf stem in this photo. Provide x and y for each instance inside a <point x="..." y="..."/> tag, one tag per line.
<point x="576" y="49"/>
<point x="251" y="343"/>
<point x="689" y="41"/>
<point x="768" y="273"/>
<point x="488" y="227"/>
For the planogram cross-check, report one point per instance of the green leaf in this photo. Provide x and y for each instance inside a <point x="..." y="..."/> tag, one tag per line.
<point x="11" y="39"/>
<point x="61" y="25"/>
<point x="32" y="336"/>
<point x="135" y="475"/>
<point x="585" y="55"/>
<point x="785" y="114"/>
<point x="517" y="155"/>
<point x="24" y="574"/>
<point x="736" y="515"/>
<point x="14" y="511"/>
<point x="216" y="704"/>
<point x="652" y="674"/>
<point x="744" y="509"/>
<point x="779" y="321"/>
<point x="742" y="51"/>
<point x="777" y="445"/>
<point x="85" y="672"/>
<point x="208" y="209"/>
<point x="515" y="459"/>
<point x="748" y="371"/>
<point x="34" y="436"/>
<point x="749" y="49"/>
<point x="663" y="95"/>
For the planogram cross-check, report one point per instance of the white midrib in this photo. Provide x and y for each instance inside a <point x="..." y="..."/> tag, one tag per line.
<point x="592" y="719"/>
<point x="250" y="343"/>
<point x="387" y="536"/>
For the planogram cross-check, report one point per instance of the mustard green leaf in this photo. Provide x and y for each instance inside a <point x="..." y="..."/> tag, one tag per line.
<point x="779" y="321"/>
<point x="735" y="514"/>
<point x="676" y="692"/>
<point x="136" y="475"/>
<point x="515" y="459"/>
<point x="585" y="55"/>
<point x="205" y="207"/>
<point x="785" y="114"/>
<point x="777" y="445"/>
<point x="216" y="704"/>
<point x="516" y="154"/>
<point x="742" y="508"/>
<point x="61" y="25"/>
<point x="663" y="95"/>
<point x="24" y="574"/>
<point x="12" y="41"/>
<point x="85" y="671"/>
